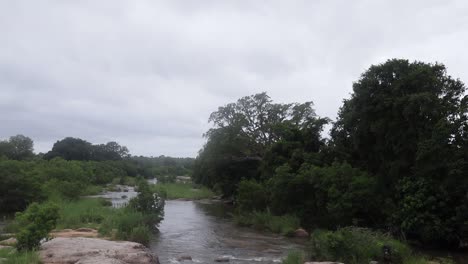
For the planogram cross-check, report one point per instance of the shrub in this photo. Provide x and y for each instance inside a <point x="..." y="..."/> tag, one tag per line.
<point x="140" y="234"/>
<point x="285" y="224"/>
<point x="83" y="213"/>
<point x="357" y="245"/>
<point x="149" y="203"/>
<point x="251" y="196"/>
<point x="294" y="257"/>
<point x="36" y="223"/>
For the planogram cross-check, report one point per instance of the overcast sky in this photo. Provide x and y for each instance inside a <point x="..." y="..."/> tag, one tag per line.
<point x="147" y="74"/>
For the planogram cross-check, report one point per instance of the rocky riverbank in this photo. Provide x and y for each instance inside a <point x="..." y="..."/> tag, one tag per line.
<point x="85" y="250"/>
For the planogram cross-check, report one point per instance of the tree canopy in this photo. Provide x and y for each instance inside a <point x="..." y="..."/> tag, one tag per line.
<point x="397" y="157"/>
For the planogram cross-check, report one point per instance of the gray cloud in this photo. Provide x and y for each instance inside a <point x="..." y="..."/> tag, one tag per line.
<point x="149" y="73"/>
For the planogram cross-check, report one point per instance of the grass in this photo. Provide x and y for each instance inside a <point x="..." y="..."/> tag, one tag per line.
<point x="353" y="245"/>
<point x="182" y="191"/>
<point x="285" y="224"/>
<point x="115" y="223"/>
<point x="294" y="257"/>
<point x="87" y="212"/>
<point x="12" y="256"/>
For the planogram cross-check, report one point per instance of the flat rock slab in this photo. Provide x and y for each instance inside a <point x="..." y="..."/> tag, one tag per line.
<point x="80" y="232"/>
<point x="81" y="250"/>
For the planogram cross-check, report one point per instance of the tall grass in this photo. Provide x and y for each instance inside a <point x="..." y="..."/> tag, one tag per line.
<point x="182" y="191"/>
<point x="11" y="256"/>
<point x="353" y="245"/>
<point x="86" y="212"/>
<point x="115" y="223"/>
<point x="294" y="257"/>
<point x="285" y="224"/>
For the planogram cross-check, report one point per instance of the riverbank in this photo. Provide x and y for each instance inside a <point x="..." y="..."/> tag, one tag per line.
<point x="185" y="191"/>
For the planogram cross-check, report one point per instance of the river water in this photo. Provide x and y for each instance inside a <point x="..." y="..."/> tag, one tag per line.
<point x="205" y="232"/>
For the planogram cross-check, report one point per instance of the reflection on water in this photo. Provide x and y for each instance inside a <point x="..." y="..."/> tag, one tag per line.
<point x="202" y="231"/>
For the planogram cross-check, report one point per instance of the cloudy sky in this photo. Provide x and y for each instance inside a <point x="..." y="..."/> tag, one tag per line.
<point x="148" y="73"/>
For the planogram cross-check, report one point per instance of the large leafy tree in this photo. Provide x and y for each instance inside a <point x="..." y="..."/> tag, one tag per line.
<point x="406" y="123"/>
<point x="71" y="148"/>
<point x="244" y="133"/>
<point x="18" y="147"/>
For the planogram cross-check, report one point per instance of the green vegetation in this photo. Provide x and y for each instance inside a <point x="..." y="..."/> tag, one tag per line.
<point x="84" y="213"/>
<point x="73" y="168"/>
<point x="284" y="224"/>
<point x="12" y="256"/>
<point x="183" y="191"/>
<point x="36" y="223"/>
<point x="294" y="257"/>
<point x="50" y="188"/>
<point x="396" y="159"/>
<point x="358" y="245"/>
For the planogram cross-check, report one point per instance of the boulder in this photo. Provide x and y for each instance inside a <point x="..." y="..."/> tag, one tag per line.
<point x="222" y="259"/>
<point x="301" y="233"/>
<point x="81" y="250"/>
<point x="373" y="262"/>
<point x="8" y="242"/>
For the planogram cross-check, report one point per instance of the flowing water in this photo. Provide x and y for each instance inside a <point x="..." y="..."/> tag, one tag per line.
<point x="205" y="232"/>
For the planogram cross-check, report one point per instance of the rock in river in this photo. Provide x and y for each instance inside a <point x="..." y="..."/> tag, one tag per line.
<point x="80" y="250"/>
<point x="222" y="259"/>
<point x="301" y="233"/>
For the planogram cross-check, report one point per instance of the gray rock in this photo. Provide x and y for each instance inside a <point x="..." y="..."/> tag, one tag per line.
<point x="80" y="250"/>
<point x="301" y="233"/>
<point x="373" y="262"/>
<point x="222" y="259"/>
<point x="8" y="242"/>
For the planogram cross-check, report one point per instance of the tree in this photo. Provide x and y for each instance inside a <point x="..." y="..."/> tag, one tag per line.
<point x="18" y="188"/>
<point x="109" y="151"/>
<point x="70" y="149"/>
<point x="18" y="147"/>
<point x="36" y="223"/>
<point x="406" y="123"/>
<point x="244" y="134"/>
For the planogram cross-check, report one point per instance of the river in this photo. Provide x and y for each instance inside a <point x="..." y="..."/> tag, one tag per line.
<point x="205" y="232"/>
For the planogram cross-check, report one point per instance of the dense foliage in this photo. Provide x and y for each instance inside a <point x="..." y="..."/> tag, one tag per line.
<point x="36" y="223"/>
<point x="71" y="169"/>
<point x="397" y="157"/>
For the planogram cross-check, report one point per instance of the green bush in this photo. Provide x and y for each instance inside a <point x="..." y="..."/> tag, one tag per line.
<point x="325" y="196"/>
<point x="35" y="224"/>
<point x="357" y="245"/>
<point x="251" y="196"/>
<point x="148" y="202"/>
<point x="140" y="234"/>
<point x="83" y="213"/>
<point x="294" y="257"/>
<point x="127" y="224"/>
<point x="285" y="224"/>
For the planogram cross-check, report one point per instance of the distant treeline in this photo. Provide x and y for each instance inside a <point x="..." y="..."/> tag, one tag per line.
<point x="71" y="169"/>
<point x="396" y="158"/>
